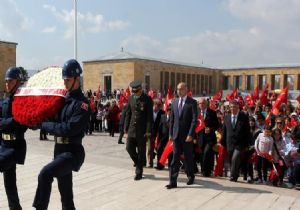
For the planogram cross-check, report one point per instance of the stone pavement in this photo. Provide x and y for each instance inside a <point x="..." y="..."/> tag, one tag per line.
<point x="105" y="181"/>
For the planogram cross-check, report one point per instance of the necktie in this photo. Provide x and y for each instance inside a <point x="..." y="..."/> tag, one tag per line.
<point x="180" y="106"/>
<point x="203" y="114"/>
<point x="233" y="121"/>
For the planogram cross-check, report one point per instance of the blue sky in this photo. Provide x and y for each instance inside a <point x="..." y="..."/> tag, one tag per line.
<point x="217" y="33"/>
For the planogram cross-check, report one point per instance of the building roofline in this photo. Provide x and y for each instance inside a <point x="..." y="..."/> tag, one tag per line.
<point x="146" y="59"/>
<point x="262" y="67"/>
<point x="6" y="42"/>
<point x="127" y="56"/>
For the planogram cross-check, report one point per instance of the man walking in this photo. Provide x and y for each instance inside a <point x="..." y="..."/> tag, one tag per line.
<point x="182" y="130"/>
<point x="68" y="151"/>
<point x="13" y="144"/>
<point x="235" y="137"/>
<point x="207" y="137"/>
<point x="138" y="126"/>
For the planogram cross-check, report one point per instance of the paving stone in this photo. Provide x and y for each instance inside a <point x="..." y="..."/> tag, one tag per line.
<point x="105" y="181"/>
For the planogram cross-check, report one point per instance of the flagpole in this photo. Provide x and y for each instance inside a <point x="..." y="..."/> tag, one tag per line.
<point x="75" y="29"/>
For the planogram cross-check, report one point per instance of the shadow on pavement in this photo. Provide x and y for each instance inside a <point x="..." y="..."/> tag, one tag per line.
<point x="201" y="183"/>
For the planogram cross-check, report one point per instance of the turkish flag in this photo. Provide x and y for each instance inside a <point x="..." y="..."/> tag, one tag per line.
<point x="218" y="96"/>
<point x="282" y="98"/>
<point x="167" y="151"/>
<point x="264" y="95"/>
<point x="212" y="105"/>
<point x="241" y="102"/>
<point x="249" y="100"/>
<point x="233" y="95"/>
<point x="200" y="123"/>
<point x="255" y="94"/>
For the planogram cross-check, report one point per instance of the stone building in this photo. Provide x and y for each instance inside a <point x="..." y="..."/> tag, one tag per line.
<point x="248" y="78"/>
<point x="7" y="59"/>
<point x="116" y="71"/>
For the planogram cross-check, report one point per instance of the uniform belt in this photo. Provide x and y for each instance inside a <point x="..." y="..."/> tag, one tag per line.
<point x="61" y="140"/>
<point x="8" y="137"/>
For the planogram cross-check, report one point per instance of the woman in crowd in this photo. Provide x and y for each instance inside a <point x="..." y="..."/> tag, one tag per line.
<point x="278" y="154"/>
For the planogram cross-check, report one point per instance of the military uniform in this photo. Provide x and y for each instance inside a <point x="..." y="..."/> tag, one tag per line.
<point x="138" y="124"/>
<point x="12" y="149"/>
<point x="68" y="151"/>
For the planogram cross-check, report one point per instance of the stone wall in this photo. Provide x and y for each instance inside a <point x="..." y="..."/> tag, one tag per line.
<point x="269" y="73"/>
<point x="121" y="73"/>
<point x="161" y="75"/>
<point x="7" y="59"/>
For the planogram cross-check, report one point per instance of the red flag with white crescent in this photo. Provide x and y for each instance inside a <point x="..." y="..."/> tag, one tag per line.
<point x="233" y="95"/>
<point x="282" y="98"/>
<point x="249" y="100"/>
<point x="212" y="105"/>
<point x="218" y="96"/>
<point x="200" y="123"/>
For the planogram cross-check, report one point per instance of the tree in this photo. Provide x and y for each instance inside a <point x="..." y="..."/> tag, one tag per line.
<point x="24" y="73"/>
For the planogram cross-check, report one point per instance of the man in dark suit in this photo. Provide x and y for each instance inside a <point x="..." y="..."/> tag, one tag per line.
<point x="157" y="112"/>
<point x="235" y="137"/>
<point x="207" y="137"/>
<point x="138" y="126"/>
<point x="182" y="130"/>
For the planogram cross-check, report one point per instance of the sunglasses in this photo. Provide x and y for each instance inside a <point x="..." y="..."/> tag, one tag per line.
<point x="279" y="122"/>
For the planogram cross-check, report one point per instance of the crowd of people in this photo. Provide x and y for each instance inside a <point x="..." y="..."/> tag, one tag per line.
<point x="259" y="142"/>
<point x="237" y="140"/>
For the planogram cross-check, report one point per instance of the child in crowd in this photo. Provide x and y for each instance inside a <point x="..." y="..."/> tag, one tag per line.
<point x="293" y="159"/>
<point x="263" y="146"/>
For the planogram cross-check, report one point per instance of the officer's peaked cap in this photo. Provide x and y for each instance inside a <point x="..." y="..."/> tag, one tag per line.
<point x="135" y="84"/>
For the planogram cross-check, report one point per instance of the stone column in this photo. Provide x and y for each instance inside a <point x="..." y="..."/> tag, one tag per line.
<point x="244" y="83"/>
<point x="296" y="83"/>
<point x="256" y="78"/>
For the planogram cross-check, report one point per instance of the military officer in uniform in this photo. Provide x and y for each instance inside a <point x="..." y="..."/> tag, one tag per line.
<point x="69" y="131"/>
<point x="138" y="125"/>
<point x="13" y="145"/>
